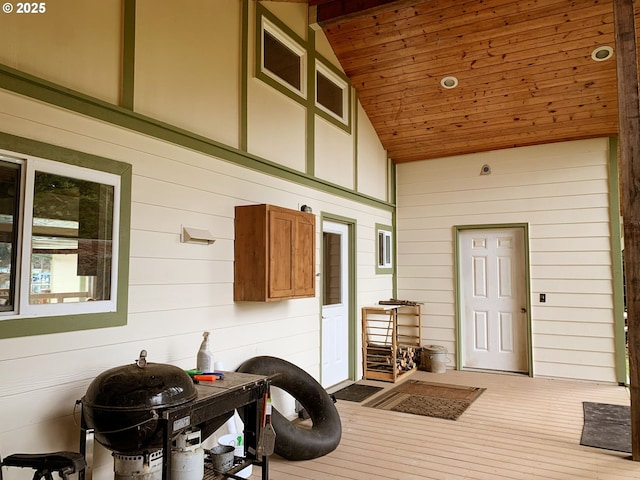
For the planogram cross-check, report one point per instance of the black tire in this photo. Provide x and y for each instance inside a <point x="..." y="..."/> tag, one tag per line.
<point x="292" y="441"/>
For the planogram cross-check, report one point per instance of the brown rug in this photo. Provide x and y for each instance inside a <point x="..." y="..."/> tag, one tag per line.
<point x="428" y="399"/>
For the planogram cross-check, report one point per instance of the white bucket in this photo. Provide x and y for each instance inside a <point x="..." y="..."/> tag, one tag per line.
<point x="434" y="358"/>
<point x="237" y="440"/>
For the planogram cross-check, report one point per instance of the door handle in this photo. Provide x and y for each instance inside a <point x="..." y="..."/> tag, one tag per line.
<point x="523" y="310"/>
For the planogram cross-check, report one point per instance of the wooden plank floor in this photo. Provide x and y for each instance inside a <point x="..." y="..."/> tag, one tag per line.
<point x="519" y="428"/>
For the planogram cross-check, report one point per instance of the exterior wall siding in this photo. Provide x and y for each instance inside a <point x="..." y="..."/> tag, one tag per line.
<point x="178" y="290"/>
<point x="561" y="191"/>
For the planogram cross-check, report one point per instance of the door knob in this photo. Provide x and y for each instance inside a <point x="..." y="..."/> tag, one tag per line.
<point x="523" y="310"/>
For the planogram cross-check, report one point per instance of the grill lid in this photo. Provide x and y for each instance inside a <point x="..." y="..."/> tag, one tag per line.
<point x="140" y="386"/>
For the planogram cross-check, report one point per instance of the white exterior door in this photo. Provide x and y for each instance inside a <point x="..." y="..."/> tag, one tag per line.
<point x="335" y="303"/>
<point x="493" y="295"/>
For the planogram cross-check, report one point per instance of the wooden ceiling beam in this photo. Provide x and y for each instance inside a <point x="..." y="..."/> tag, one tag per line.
<point x="327" y="11"/>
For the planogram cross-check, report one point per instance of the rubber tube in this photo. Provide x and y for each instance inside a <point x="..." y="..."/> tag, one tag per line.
<point x="294" y="442"/>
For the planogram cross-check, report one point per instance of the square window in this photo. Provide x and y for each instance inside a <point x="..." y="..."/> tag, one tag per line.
<point x="60" y="247"/>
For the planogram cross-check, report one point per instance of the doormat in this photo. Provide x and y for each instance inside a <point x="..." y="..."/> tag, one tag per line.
<point x="356" y="392"/>
<point x="429" y="399"/>
<point x="606" y="426"/>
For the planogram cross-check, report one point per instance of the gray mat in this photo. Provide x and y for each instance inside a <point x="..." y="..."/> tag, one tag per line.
<point x="356" y="392"/>
<point x="607" y="426"/>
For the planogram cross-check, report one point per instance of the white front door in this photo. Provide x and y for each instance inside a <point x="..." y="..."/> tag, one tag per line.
<point x="335" y="303"/>
<point x="494" y="319"/>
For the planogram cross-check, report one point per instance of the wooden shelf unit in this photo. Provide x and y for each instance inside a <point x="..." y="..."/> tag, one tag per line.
<point x="387" y="331"/>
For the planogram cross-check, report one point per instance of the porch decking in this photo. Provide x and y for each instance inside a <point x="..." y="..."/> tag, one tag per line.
<point x="519" y="428"/>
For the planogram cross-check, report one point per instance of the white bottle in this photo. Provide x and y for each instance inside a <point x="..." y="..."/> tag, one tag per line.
<point x="205" y="357"/>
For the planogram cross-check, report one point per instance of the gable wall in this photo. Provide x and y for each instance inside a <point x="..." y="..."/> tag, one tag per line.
<point x="176" y="290"/>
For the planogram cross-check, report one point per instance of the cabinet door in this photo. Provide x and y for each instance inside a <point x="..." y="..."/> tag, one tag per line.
<point x="282" y="237"/>
<point x="304" y="266"/>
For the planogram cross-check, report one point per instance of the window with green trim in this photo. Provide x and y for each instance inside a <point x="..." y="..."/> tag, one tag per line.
<point x="332" y="93"/>
<point x="384" y="249"/>
<point x="59" y="242"/>
<point x="282" y="58"/>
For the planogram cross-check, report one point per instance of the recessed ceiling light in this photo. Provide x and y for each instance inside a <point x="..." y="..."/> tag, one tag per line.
<point x="602" y="53"/>
<point x="449" y="82"/>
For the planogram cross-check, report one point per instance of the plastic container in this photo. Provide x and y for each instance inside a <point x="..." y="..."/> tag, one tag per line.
<point x="205" y="357"/>
<point x="434" y="359"/>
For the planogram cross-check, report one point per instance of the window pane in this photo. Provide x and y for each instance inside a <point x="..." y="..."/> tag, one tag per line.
<point x="71" y="250"/>
<point x="281" y="61"/>
<point x="329" y="94"/>
<point x="387" y="250"/>
<point x="9" y="204"/>
<point x="381" y="249"/>
<point x="332" y="291"/>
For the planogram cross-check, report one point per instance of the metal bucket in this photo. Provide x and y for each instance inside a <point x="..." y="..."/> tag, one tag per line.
<point x="434" y="359"/>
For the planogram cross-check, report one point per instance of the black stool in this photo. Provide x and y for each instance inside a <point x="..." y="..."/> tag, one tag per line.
<point x="65" y="463"/>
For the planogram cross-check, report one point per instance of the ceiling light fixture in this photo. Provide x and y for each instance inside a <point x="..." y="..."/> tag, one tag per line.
<point x="602" y="53"/>
<point x="449" y="82"/>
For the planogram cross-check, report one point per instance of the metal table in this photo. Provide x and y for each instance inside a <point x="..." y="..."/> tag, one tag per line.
<point x="216" y="402"/>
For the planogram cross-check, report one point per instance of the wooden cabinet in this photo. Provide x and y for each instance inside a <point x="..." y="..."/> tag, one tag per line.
<point x="274" y="255"/>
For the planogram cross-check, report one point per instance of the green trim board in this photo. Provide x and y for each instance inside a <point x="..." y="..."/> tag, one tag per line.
<point x="128" y="54"/>
<point x="616" y="262"/>
<point x="355" y="136"/>
<point x="351" y="224"/>
<point x="20" y="327"/>
<point x="458" y="279"/>
<point x="311" y="117"/>
<point x="244" y="73"/>
<point x="48" y="92"/>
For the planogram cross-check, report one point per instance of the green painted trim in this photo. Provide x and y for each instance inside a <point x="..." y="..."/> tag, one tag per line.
<point x="616" y="263"/>
<point x="458" y="279"/>
<point x="353" y="341"/>
<point x="392" y="172"/>
<point x="391" y="269"/>
<point x="48" y="92"/>
<point x="128" y="54"/>
<point x="395" y="254"/>
<point x="356" y="137"/>
<point x="244" y="78"/>
<point x="311" y="118"/>
<point x="21" y="327"/>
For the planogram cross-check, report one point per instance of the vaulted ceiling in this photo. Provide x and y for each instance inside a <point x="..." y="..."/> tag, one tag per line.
<point x="524" y="69"/>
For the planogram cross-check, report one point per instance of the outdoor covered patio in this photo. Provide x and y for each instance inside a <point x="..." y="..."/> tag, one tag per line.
<point x="519" y="428"/>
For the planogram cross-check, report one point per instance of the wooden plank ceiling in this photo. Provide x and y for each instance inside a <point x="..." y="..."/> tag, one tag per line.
<point x="524" y="67"/>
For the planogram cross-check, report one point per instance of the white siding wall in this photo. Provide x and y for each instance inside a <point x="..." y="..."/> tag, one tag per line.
<point x="176" y="290"/>
<point x="561" y="191"/>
